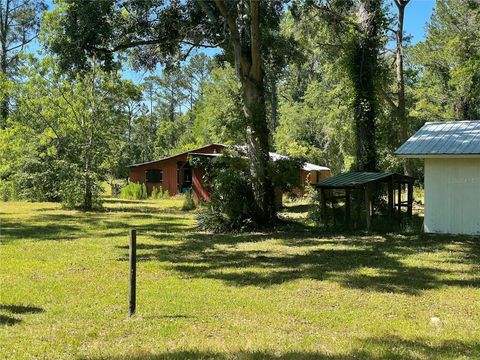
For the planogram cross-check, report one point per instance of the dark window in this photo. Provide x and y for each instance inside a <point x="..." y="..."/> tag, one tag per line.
<point x="154" y="175"/>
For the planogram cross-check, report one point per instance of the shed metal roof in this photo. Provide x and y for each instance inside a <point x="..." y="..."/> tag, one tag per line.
<point x="353" y="179"/>
<point x="443" y="138"/>
<point x="274" y="156"/>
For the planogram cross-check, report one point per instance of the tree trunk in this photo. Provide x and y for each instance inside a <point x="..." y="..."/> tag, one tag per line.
<point x="249" y="67"/>
<point x="274" y="98"/>
<point x="87" y="190"/>
<point x="401" y="106"/>
<point x="4" y="27"/>
<point x="258" y="149"/>
<point x="364" y="66"/>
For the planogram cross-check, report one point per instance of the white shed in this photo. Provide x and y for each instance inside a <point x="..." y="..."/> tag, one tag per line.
<point x="452" y="174"/>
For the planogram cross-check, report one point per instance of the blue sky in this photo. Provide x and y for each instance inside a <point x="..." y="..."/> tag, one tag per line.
<point x="417" y="14"/>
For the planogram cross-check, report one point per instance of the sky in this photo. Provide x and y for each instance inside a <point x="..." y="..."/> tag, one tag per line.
<point x="417" y="15"/>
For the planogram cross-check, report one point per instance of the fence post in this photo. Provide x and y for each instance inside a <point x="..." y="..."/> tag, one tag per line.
<point x="132" y="293"/>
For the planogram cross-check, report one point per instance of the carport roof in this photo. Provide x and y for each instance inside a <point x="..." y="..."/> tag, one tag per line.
<point x="360" y="179"/>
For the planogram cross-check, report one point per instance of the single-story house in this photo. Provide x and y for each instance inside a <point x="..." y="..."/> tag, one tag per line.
<point x="176" y="175"/>
<point x="451" y="150"/>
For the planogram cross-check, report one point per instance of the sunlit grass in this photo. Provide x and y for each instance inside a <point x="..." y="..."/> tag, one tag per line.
<point x="285" y="295"/>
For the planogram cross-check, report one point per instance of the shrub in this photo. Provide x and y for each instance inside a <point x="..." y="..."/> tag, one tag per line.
<point x="134" y="191"/>
<point x="232" y="206"/>
<point x="159" y="193"/>
<point x="7" y="191"/>
<point x="72" y="192"/>
<point x="188" y="203"/>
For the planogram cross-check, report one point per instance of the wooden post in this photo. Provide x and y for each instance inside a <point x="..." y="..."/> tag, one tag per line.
<point x="132" y="293"/>
<point x="399" y="199"/>
<point x="324" y="207"/>
<point x="410" y="199"/>
<point x="391" y="200"/>
<point x="347" y="207"/>
<point x="368" y="205"/>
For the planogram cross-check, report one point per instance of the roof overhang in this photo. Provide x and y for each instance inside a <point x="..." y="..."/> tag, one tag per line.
<point x="438" y="156"/>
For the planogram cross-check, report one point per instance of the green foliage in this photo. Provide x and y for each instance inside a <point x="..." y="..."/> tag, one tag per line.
<point x="134" y="191"/>
<point x="286" y="174"/>
<point x="316" y="110"/>
<point x="231" y="207"/>
<point x="448" y="64"/>
<point x="72" y="192"/>
<point x="188" y="203"/>
<point x="218" y="117"/>
<point x="67" y="134"/>
<point x="159" y="193"/>
<point x="8" y="191"/>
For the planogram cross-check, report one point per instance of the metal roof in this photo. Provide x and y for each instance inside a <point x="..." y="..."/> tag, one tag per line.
<point x="179" y="154"/>
<point x="275" y="157"/>
<point x="444" y="138"/>
<point x="353" y="179"/>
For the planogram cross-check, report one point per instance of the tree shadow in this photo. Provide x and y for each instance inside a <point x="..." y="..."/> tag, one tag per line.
<point x="10" y="231"/>
<point x="377" y="348"/>
<point x="236" y="260"/>
<point x="21" y="309"/>
<point x="9" y="320"/>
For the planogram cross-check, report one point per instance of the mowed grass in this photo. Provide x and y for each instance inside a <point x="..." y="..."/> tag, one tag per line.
<point x="293" y="294"/>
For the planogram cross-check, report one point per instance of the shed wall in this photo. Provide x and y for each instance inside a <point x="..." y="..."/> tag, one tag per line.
<point x="452" y="196"/>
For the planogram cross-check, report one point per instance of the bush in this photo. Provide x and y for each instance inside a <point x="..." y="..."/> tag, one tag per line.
<point x="159" y="193"/>
<point x="72" y="192"/>
<point x="134" y="191"/>
<point x="7" y="191"/>
<point x="232" y="206"/>
<point x="188" y="203"/>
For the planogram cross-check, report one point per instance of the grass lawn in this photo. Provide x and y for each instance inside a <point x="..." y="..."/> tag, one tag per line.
<point x="287" y="295"/>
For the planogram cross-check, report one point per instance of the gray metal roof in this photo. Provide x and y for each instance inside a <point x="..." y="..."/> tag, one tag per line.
<point x="274" y="157"/>
<point x="444" y="138"/>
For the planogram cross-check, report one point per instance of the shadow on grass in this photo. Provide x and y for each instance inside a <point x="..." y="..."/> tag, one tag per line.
<point x="9" y="320"/>
<point x="378" y="348"/>
<point x="71" y="226"/>
<point x="10" y="231"/>
<point x="236" y="260"/>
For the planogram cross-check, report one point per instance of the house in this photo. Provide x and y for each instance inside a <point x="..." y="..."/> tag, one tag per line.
<point x="176" y="175"/>
<point x="451" y="151"/>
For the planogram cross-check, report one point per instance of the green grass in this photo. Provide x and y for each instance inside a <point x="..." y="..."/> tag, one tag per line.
<point x="291" y="294"/>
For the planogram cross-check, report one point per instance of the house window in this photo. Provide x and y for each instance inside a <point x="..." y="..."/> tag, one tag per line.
<point x="154" y="175"/>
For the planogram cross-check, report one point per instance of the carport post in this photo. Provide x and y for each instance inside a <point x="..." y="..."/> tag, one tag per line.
<point x="132" y="293"/>
<point x="368" y="204"/>
<point x="410" y="199"/>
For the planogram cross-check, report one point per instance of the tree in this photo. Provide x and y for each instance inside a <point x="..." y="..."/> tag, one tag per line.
<point x="79" y="126"/>
<point x="19" y="26"/>
<point x="400" y="108"/>
<point x="245" y="30"/>
<point x="448" y="62"/>
<point x="363" y="67"/>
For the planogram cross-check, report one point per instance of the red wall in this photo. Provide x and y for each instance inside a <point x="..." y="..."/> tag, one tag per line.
<point x="198" y="189"/>
<point x="169" y="172"/>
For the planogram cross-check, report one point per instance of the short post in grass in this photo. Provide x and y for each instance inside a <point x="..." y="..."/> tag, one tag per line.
<point x="132" y="293"/>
